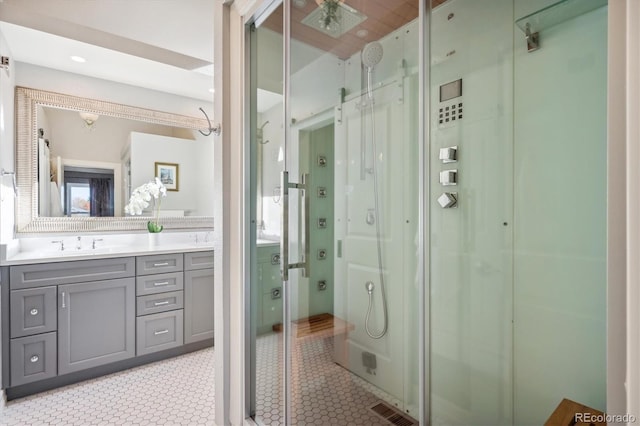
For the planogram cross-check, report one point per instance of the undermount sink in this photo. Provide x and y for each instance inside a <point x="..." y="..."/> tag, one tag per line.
<point x="85" y="252"/>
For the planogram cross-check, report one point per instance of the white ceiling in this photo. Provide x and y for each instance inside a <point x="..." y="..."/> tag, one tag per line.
<point x="156" y="44"/>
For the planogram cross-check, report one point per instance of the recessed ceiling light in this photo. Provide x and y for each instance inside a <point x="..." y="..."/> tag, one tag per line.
<point x="212" y="90"/>
<point x="300" y="4"/>
<point x="79" y="59"/>
<point x="362" y="33"/>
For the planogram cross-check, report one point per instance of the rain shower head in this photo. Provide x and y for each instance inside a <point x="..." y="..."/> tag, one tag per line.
<point x="372" y="54"/>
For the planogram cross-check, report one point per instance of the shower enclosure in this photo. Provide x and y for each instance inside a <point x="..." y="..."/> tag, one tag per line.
<point x="348" y="202"/>
<point x="428" y="210"/>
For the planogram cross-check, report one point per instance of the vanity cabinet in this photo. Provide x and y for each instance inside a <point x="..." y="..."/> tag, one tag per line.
<point x="269" y="289"/>
<point x="198" y="294"/>
<point x="67" y="318"/>
<point x="70" y="316"/>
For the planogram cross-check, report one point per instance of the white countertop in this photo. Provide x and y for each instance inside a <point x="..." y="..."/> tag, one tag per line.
<point x="47" y="249"/>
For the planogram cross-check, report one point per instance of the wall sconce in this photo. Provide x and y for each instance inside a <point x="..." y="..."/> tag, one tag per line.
<point x="89" y="119"/>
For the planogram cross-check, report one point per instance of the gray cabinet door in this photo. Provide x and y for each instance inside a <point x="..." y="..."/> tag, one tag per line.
<point x="96" y="323"/>
<point x="198" y="305"/>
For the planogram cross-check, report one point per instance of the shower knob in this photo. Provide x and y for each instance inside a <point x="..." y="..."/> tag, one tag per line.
<point x="448" y="200"/>
<point x="449" y="177"/>
<point x="449" y="154"/>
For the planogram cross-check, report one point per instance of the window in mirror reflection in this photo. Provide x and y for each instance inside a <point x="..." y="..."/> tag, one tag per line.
<point x="88" y="192"/>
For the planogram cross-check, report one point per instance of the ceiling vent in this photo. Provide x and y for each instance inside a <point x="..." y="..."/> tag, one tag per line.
<point x="346" y="18"/>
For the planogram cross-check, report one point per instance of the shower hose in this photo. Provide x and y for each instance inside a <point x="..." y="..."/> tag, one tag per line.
<point x="369" y="285"/>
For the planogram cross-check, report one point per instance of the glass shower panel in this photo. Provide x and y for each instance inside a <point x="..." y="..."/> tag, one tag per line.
<point x="560" y="157"/>
<point x="471" y="212"/>
<point x="268" y="152"/>
<point x="354" y="217"/>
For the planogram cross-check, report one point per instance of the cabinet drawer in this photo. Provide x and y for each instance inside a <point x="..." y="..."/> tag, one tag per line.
<point x="152" y="284"/>
<point x="45" y="274"/>
<point x="157" y="332"/>
<point x="33" y="358"/>
<point x="33" y="311"/>
<point x="159" y="263"/>
<point x="162" y="302"/>
<point x="198" y="260"/>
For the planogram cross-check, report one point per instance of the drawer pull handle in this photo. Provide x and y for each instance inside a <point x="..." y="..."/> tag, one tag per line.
<point x="161" y="283"/>
<point x="33" y="312"/>
<point x="161" y="264"/>
<point x="165" y="331"/>
<point x="166" y="302"/>
<point x="64" y="305"/>
<point x="34" y="358"/>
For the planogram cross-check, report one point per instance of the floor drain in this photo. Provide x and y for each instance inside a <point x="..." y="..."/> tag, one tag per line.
<point x="392" y="415"/>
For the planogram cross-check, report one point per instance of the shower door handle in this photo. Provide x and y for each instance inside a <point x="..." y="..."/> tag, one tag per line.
<point x="284" y="237"/>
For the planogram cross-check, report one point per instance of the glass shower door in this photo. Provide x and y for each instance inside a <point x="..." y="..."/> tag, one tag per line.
<point x="351" y="213"/>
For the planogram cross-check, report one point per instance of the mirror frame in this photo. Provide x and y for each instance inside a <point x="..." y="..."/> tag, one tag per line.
<point x="27" y="219"/>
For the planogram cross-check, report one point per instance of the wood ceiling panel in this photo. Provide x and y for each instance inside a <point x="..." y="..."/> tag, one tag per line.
<point x="383" y="17"/>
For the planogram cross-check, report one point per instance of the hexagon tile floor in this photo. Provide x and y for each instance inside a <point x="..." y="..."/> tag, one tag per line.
<point x="324" y="393"/>
<point x="176" y="391"/>
<point x="179" y="391"/>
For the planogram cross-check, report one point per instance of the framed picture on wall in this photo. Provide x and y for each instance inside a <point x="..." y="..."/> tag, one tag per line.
<point x="169" y="175"/>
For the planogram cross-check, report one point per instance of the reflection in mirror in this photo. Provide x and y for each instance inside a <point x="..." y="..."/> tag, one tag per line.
<point x="87" y="165"/>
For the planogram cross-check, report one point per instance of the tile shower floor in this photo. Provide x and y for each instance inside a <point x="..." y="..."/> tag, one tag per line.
<point x="324" y="393"/>
<point x="179" y="391"/>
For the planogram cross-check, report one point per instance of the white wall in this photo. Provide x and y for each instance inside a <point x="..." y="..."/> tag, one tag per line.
<point x="70" y="138"/>
<point x="147" y="149"/>
<point x="36" y="77"/>
<point x="7" y="158"/>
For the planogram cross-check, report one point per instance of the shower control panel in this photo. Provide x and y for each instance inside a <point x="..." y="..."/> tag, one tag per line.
<point x="450" y="109"/>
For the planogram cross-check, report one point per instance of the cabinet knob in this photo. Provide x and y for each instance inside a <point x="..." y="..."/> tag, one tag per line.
<point x="33" y="311"/>
<point x="34" y="358"/>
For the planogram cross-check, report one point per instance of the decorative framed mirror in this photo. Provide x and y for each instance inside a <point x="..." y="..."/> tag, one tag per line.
<point x="44" y="203"/>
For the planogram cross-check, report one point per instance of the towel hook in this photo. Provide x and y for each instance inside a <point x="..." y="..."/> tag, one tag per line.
<point x="215" y="130"/>
<point x="4" y="172"/>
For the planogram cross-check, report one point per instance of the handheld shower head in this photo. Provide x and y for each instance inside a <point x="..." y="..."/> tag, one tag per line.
<point x="372" y="54"/>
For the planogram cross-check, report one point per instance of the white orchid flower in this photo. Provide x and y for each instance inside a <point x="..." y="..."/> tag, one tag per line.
<point x="140" y="198"/>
